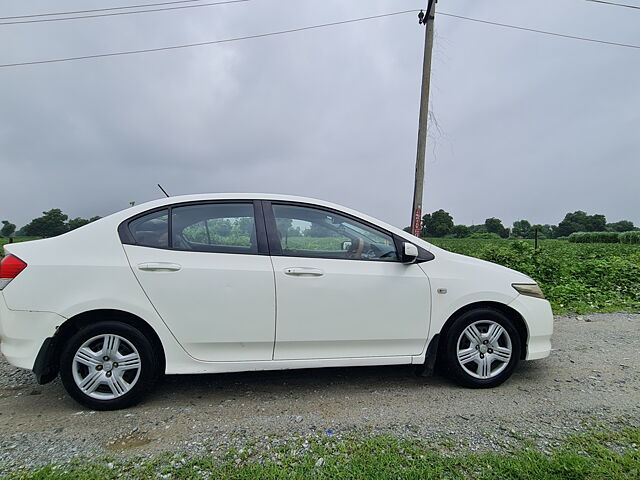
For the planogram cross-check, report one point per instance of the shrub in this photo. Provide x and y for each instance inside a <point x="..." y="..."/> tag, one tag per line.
<point x="486" y="236"/>
<point x="575" y="277"/>
<point x="630" y="237"/>
<point x="594" y="237"/>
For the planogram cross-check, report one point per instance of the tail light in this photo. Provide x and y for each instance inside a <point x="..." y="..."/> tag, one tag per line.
<point x="10" y="268"/>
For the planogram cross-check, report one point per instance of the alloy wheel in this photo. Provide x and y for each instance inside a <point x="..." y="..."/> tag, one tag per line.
<point x="484" y="349"/>
<point x="106" y="367"/>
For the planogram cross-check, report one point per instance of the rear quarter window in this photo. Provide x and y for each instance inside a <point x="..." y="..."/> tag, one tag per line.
<point x="151" y="230"/>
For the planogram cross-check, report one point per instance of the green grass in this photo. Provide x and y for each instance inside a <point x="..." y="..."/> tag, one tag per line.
<point x="575" y="277"/>
<point x="603" y="455"/>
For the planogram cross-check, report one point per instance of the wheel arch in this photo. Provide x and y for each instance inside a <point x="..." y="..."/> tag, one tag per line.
<point x="47" y="364"/>
<point x="510" y="313"/>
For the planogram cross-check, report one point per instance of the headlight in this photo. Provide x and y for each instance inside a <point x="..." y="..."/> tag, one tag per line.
<point x="529" y="289"/>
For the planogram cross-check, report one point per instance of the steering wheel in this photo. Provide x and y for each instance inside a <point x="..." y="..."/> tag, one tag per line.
<point x="355" y="250"/>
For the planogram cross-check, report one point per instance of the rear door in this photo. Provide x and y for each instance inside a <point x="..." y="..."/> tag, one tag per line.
<point x="206" y="269"/>
<point x="341" y="290"/>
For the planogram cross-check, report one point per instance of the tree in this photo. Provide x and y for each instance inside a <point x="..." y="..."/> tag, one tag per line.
<point x="52" y="223"/>
<point x="521" y="229"/>
<point x="544" y="231"/>
<point x="478" y="229"/>
<point x="437" y="224"/>
<point x="77" y="223"/>
<point x="621" y="226"/>
<point x="579" y="221"/>
<point x="245" y="226"/>
<point x="494" y="225"/>
<point x="460" y="231"/>
<point x="80" y="222"/>
<point x="8" y="229"/>
<point x="220" y="226"/>
<point x="596" y="223"/>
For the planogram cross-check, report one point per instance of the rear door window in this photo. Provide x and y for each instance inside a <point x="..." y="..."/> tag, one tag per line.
<point x="216" y="227"/>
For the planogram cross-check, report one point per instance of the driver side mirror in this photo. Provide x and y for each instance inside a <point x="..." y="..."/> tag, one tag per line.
<point x="346" y="245"/>
<point x="409" y="253"/>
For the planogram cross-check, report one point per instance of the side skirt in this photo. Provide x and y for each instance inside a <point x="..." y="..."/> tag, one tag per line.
<point x="251" y="366"/>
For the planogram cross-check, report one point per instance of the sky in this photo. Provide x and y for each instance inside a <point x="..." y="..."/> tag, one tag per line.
<point x="526" y="126"/>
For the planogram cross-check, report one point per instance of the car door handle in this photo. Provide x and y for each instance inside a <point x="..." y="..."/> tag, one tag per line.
<point x="159" y="267"/>
<point x="303" y="272"/>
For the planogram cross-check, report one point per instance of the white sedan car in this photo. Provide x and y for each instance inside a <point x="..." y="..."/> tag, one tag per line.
<point x="240" y="282"/>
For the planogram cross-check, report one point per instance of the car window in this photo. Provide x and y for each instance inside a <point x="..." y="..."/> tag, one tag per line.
<point x="221" y="228"/>
<point x="311" y="232"/>
<point x="151" y="230"/>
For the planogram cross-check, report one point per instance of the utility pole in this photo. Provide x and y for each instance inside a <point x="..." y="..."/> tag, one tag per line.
<point x="426" y="20"/>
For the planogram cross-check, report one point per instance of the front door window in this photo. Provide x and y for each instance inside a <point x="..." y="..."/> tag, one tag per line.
<point x="311" y="232"/>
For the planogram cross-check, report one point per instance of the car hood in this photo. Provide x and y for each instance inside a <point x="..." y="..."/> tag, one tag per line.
<point x="476" y="265"/>
<point x="517" y="277"/>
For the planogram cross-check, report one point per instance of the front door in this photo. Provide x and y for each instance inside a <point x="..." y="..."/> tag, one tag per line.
<point x="209" y="279"/>
<point x="341" y="289"/>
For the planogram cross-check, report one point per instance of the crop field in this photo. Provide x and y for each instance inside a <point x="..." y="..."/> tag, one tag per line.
<point x="575" y="277"/>
<point x="4" y="241"/>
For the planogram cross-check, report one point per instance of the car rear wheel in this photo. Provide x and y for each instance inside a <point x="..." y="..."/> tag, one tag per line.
<point x="108" y="365"/>
<point x="482" y="348"/>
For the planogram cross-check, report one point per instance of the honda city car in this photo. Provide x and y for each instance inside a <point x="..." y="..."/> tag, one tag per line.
<point x="245" y="282"/>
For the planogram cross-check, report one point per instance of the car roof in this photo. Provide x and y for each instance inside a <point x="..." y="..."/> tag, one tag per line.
<point x="274" y="197"/>
<point x="143" y="207"/>
<point x="236" y="196"/>
<point x="108" y="223"/>
<point x="240" y="196"/>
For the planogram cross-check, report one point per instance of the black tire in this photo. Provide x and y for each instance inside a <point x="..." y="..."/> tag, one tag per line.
<point x="482" y="318"/>
<point x="143" y="378"/>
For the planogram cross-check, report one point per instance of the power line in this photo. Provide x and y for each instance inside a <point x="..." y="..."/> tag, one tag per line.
<point x="213" y="42"/>
<point x="544" y="32"/>
<point x="144" y="5"/>
<point x="310" y="27"/>
<point x="113" y="14"/>
<point x="615" y="4"/>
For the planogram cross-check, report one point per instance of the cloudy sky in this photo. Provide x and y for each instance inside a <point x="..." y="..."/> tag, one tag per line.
<point x="529" y="126"/>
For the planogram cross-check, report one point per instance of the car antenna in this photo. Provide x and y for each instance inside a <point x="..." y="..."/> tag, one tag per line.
<point x="163" y="190"/>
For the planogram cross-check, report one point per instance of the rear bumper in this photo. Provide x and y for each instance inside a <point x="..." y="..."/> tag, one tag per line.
<point x="538" y="317"/>
<point x="22" y="333"/>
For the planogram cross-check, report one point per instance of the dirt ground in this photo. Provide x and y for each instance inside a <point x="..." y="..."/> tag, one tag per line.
<point x="591" y="378"/>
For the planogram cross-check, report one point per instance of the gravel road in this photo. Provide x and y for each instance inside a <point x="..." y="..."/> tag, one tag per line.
<point x="592" y="378"/>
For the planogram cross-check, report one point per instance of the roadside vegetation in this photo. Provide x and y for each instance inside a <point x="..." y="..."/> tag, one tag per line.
<point x="575" y="277"/>
<point x="605" y="237"/>
<point x="597" y="270"/>
<point x="4" y="241"/>
<point x="440" y="224"/>
<point x="598" y="455"/>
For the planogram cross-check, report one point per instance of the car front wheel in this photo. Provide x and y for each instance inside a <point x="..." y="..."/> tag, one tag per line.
<point x="107" y="366"/>
<point x="482" y="348"/>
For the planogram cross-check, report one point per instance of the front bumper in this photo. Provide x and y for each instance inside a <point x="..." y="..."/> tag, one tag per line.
<point x="23" y="332"/>
<point x="538" y="318"/>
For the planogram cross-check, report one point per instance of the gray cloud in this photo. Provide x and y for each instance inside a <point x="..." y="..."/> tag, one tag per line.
<point x="530" y="126"/>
